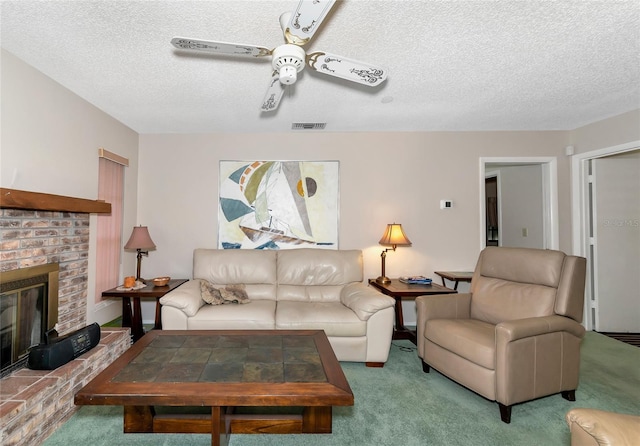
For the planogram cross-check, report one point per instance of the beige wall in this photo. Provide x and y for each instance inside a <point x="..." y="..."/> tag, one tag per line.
<point x="49" y="143"/>
<point x="50" y="137"/>
<point x="610" y="132"/>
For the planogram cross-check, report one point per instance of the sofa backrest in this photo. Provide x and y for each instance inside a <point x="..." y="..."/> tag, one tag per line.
<point x="309" y="274"/>
<point x="256" y="269"/>
<point x="517" y="283"/>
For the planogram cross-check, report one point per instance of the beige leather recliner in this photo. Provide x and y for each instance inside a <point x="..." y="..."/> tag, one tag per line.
<point x="592" y="427"/>
<point x="516" y="335"/>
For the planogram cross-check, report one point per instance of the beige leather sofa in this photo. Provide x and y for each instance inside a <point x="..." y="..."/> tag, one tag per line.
<point x="516" y="335"/>
<point x="592" y="427"/>
<point x="295" y="289"/>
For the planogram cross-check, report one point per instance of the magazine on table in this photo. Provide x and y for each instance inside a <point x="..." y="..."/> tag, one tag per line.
<point x="413" y="280"/>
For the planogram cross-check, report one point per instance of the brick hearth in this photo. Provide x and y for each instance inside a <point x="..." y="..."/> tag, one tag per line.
<point x="36" y="402"/>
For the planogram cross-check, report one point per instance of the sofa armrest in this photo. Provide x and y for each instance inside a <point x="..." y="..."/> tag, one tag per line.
<point x="509" y="331"/>
<point x="186" y="297"/>
<point x="597" y="427"/>
<point x="364" y="301"/>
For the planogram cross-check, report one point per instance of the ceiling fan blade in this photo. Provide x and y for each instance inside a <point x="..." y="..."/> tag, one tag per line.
<point x="274" y="94"/>
<point x="208" y="46"/>
<point x="345" y="68"/>
<point x="306" y="20"/>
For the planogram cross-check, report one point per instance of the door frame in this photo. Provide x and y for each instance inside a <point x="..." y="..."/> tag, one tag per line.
<point x="549" y="166"/>
<point x="580" y="217"/>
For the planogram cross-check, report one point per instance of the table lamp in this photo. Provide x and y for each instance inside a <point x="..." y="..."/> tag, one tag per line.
<point x="393" y="236"/>
<point x="140" y="240"/>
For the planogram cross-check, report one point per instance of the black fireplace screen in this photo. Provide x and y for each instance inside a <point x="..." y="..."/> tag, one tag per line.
<point x="27" y="299"/>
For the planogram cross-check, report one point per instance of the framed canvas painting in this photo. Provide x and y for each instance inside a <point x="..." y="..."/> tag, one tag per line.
<point x="278" y="204"/>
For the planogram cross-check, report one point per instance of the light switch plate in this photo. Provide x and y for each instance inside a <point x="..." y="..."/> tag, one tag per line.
<point x="446" y="204"/>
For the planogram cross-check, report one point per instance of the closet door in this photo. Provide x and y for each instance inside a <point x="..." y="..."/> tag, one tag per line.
<point x="616" y="207"/>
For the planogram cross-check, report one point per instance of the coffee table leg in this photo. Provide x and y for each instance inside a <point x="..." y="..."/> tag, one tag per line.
<point x="220" y="427"/>
<point x="316" y="420"/>
<point x="138" y="419"/>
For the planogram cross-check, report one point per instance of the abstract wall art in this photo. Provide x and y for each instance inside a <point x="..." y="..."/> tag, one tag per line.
<point x="278" y="204"/>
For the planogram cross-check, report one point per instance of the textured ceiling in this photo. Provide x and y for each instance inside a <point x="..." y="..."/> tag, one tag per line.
<point x="453" y="65"/>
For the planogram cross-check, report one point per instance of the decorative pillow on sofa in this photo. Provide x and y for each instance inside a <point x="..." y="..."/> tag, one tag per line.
<point x="210" y="294"/>
<point x="231" y="294"/>
<point x="234" y="294"/>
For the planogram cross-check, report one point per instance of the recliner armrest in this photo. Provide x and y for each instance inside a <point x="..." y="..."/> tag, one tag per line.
<point x="509" y="331"/>
<point x="440" y="306"/>
<point x="444" y="306"/>
<point x="364" y="301"/>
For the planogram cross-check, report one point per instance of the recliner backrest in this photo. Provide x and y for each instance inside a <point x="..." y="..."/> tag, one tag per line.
<point x="517" y="283"/>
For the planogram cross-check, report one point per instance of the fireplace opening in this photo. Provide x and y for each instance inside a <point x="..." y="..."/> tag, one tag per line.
<point x="28" y="312"/>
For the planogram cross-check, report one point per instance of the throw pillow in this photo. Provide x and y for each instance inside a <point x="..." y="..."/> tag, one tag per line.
<point x="210" y="294"/>
<point x="231" y="294"/>
<point x="235" y="294"/>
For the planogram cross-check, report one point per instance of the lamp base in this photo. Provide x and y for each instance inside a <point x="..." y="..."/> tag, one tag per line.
<point x="383" y="279"/>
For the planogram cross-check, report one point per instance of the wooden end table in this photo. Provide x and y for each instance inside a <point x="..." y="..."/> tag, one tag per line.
<point x="399" y="290"/>
<point x="133" y="318"/>
<point x="455" y="276"/>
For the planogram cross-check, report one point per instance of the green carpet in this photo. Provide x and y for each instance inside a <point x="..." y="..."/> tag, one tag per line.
<point x="401" y="405"/>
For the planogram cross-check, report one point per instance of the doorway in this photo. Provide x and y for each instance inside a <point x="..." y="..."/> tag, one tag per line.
<point x="606" y="216"/>
<point x="492" y="201"/>
<point x="526" y="202"/>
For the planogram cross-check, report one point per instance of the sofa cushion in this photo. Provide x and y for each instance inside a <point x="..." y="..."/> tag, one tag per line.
<point x="233" y="266"/>
<point x="316" y="275"/>
<point x="319" y="267"/>
<point x="332" y="317"/>
<point x="255" y="315"/>
<point x="303" y="293"/>
<point x="469" y="338"/>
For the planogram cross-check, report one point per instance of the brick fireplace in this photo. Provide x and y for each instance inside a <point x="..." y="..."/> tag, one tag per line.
<point x="33" y="402"/>
<point x="29" y="238"/>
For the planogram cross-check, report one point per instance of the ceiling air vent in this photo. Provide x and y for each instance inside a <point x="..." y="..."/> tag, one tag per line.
<point x="308" y="125"/>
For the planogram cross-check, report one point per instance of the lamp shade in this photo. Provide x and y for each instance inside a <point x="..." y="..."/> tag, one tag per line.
<point x="140" y="239"/>
<point x="394" y="236"/>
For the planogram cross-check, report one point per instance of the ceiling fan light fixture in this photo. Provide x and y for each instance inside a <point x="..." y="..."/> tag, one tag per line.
<point x="288" y="75"/>
<point x="288" y="61"/>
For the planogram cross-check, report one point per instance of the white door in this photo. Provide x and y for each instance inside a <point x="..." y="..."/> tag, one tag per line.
<point x="616" y="218"/>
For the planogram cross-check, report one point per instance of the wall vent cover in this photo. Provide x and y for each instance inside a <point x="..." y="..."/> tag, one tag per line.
<point x="308" y="125"/>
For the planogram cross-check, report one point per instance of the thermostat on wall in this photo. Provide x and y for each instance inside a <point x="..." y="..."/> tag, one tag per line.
<point x="446" y="204"/>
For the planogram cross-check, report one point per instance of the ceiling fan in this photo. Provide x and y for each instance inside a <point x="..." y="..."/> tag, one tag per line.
<point x="289" y="59"/>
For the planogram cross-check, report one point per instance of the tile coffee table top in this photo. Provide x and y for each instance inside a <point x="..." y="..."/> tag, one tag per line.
<point x="226" y="359"/>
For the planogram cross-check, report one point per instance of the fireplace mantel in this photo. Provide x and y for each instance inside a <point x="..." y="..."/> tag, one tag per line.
<point x="20" y="199"/>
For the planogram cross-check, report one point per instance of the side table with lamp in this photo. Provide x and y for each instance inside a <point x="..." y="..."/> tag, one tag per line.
<point x="394" y="236"/>
<point x="139" y="288"/>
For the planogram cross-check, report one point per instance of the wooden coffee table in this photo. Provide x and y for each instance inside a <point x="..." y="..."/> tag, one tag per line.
<point x="224" y="370"/>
